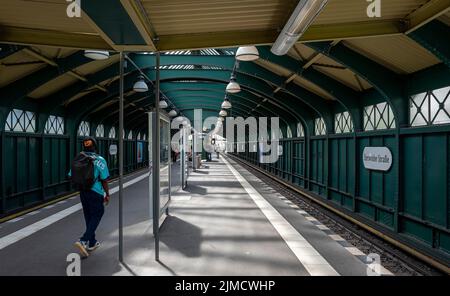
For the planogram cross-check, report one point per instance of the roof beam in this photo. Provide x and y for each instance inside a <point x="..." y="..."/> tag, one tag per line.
<point x="19" y="89"/>
<point x="389" y="84"/>
<point x="63" y="96"/>
<point x="250" y="80"/>
<point x="115" y="25"/>
<point x="425" y="14"/>
<point x="52" y="63"/>
<point x="215" y="39"/>
<point x="432" y="36"/>
<point x="8" y="49"/>
<point x="242" y="96"/>
<point x="312" y="100"/>
<point x="343" y="94"/>
<point x="130" y="102"/>
<point x="141" y="21"/>
<point x="350" y="30"/>
<point x="30" y="36"/>
<point x="192" y="103"/>
<point x="288" y="104"/>
<point x="431" y="78"/>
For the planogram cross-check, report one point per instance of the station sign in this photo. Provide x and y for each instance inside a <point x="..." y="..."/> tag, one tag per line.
<point x="113" y="149"/>
<point x="377" y="158"/>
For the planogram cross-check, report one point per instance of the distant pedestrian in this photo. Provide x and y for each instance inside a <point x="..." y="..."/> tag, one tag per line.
<point x="89" y="174"/>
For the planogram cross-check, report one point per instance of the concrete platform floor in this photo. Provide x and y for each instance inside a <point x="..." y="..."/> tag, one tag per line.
<point x="226" y="222"/>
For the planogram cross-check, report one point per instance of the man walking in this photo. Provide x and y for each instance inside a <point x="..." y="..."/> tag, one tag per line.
<point x="89" y="174"/>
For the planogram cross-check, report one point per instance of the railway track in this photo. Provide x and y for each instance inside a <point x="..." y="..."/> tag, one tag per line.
<point x="392" y="258"/>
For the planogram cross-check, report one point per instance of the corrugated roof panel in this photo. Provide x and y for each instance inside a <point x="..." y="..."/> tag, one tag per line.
<point x="303" y="51"/>
<point x="398" y="53"/>
<point x="79" y="95"/>
<point x="312" y="88"/>
<point x="196" y="16"/>
<point x="52" y="86"/>
<point x="346" y="77"/>
<point x="445" y="18"/>
<point x="95" y="66"/>
<point x="277" y="69"/>
<point x="328" y="61"/>
<point x="53" y="52"/>
<point x="10" y="70"/>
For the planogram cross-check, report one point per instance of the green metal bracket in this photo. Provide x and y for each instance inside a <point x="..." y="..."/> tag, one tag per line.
<point x="432" y="36"/>
<point x="389" y="84"/>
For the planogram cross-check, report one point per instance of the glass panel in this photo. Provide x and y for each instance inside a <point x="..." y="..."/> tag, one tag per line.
<point x="21" y="121"/>
<point x="112" y="133"/>
<point x="138" y="243"/>
<point x="84" y="129"/>
<point x="175" y="178"/>
<point x="442" y="93"/>
<point x="441" y="117"/>
<point x="434" y="107"/>
<point x="430" y="108"/>
<point x="164" y="163"/>
<point x="289" y="132"/>
<point x="100" y="131"/>
<point x="319" y="127"/>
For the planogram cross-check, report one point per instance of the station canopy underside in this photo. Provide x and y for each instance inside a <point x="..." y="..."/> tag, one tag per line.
<point x="344" y="62"/>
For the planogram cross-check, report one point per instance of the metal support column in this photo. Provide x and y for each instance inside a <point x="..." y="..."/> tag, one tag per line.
<point x="155" y="160"/>
<point x="121" y="126"/>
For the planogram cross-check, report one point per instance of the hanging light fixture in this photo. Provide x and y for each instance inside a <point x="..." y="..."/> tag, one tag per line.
<point x="163" y="104"/>
<point x="173" y="113"/>
<point x="226" y="104"/>
<point x="302" y="17"/>
<point x="140" y="85"/>
<point x="247" y="53"/>
<point x="233" y="87"/>
<point x="179" y="118"/>
<point x="223" y="113"/>
<point x="96" y="54"/>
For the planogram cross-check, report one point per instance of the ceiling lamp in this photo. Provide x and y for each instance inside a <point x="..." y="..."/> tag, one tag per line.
<point x="300" y="20"/>
<point x="226" y="104"/>
<point x="163" y="104"/>
<point x="96" y="54"/>
<point x="233" y="87"/>
<point x="247" y="54"/>
<point x="179" y="118"/>
<point x="173" y="113"/>
<point x="223" y="113"/>
<point x="140" y="85"/>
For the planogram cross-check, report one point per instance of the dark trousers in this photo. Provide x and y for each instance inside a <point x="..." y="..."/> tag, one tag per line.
<point x="93" y="210"/>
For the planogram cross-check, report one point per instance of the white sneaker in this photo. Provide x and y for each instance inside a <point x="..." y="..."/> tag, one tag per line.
<point x="94" y="247"/>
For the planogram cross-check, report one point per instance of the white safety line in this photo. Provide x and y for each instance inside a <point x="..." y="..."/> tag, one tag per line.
<point x="35" y="227"/>
<point x="308" y="256"/>
<point x="336" y="237"/>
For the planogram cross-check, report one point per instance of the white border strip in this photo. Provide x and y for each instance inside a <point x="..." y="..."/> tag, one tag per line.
<point x="313" y="262"/>
<point x="41" y="224"/>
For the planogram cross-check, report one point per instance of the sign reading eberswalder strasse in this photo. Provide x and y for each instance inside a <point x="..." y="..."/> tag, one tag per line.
<point x="377" y="158"/>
